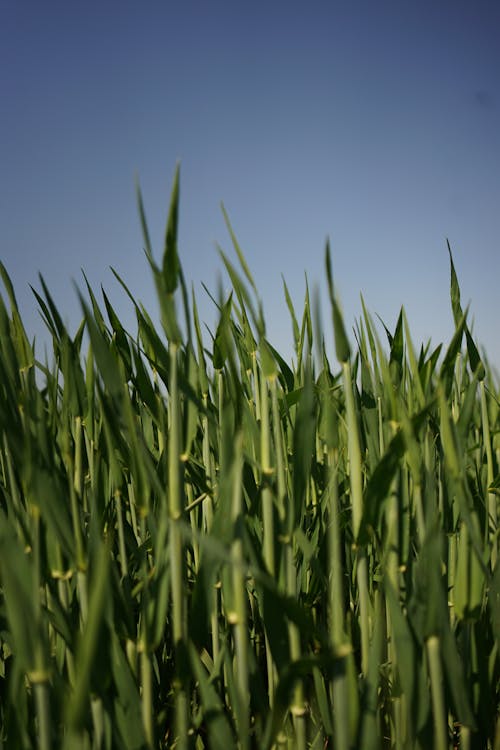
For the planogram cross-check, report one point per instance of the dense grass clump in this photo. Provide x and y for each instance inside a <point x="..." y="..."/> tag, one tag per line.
<point x="209" y="547"/>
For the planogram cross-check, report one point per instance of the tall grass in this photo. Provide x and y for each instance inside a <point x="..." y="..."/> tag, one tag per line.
<point x="206" y="546"/>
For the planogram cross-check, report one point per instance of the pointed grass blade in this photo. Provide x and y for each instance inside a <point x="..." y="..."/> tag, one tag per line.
<point x="170" y="264"/>
<point x="342" y="348"/>
<point x="90" y="637"/>
<point x="454" y="291"/>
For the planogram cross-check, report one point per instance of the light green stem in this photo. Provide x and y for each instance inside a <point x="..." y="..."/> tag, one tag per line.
<point x="355" y="480"/>
<point x="437" y="693"/>
<point x="239" y="616"/>
<point x="491" y="516"/>
<point x="175" y="502"/>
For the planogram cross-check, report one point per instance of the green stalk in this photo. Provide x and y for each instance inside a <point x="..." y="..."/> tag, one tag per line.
<point x="335" y="568"/>
<point x="364" y="604"/>
<point x="353" y="451"/>
<point x="298" y="709"/>
<point x="145" y="657"/>
<point x="355" y="481"/>
<point x="381" y="441"/>
<point x="256" y="385"/>
<point x="175" y="502"/>
<point x="97" y="711"/>
<point x="267" y="517"/>
<point x="419" y="510"/>
<point x="42" y="706"/>
<point x="392" y="550"/>
<point x="62" y="590"/>
<point x="392" y="558"/>
<point x="81" y="563"/>
<point x="465" y="737"/>
<point x="267" y="471"/>
<point x="39" y="678"/>
<point x="279" y="449"/>
<point x="207" y="457"/>
<point x="491" y="516"/>
<point x="338" y="641"/>
<point x="297" y="706"/>
<point x="432" y="646"/>
<point x="12" y="484"/>
<point x="121" y="533"/>
<point x="238" y="618"/>
<point x="78" y="476"/>
<point x="131" y="505"/>
<point x="209" y="512"/>
<point x="174" y="444"/>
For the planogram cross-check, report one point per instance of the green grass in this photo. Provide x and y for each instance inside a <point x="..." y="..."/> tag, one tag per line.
<point x="206" y="546"/>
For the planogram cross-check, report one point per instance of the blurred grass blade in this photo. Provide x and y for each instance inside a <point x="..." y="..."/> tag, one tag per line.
<point x="342" y="347"/>
<point x="170" y="264"/>
<point x="454" y="291"/>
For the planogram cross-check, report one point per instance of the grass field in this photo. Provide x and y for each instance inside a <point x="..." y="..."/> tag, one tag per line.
<point x="205" y="546"/>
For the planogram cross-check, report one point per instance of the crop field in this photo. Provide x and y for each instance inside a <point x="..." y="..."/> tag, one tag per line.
<point x="203" y="545"/>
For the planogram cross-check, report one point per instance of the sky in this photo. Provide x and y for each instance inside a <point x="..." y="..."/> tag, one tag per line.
<point x="375" y="124"/>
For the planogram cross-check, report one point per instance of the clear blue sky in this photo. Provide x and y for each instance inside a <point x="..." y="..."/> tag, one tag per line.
<point x="377" y="124"/>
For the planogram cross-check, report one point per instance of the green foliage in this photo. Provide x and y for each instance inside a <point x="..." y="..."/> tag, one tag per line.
<point x="212" y="547"/>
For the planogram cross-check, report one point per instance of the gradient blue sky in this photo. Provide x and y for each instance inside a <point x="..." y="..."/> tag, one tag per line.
<point x="377" y="124"/>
